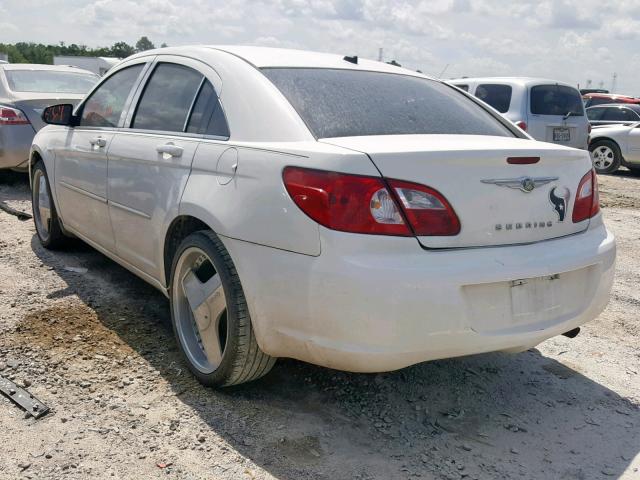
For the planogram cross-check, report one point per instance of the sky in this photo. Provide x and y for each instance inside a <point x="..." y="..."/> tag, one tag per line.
<point x="567" y="40"/>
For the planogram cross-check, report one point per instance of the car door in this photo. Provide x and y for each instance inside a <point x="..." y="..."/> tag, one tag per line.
<point x="150" y="160"/>
<point x="81" y="165"/>
<point x="633" y="153"/>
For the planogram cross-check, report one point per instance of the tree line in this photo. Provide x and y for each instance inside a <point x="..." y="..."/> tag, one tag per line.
<point x="29" y="52"/>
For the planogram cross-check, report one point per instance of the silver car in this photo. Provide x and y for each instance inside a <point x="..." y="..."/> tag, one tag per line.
<point x="25" y="90"/>
<point x="614" y="114"/>
<point x="548" y="110"/>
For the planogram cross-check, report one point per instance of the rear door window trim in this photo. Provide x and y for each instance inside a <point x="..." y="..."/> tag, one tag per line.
<point x="135" y="101"/>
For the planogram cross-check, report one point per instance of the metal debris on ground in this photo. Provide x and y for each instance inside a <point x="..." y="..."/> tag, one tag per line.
<point x="12" y="211"/>
<point x="28" y="402"/>
<point x="80" y="270"/>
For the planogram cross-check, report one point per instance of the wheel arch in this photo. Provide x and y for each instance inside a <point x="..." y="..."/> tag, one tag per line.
<point x="34" y="157"/>
<point x="610" y="139"/>
<point x="179" y="228"/>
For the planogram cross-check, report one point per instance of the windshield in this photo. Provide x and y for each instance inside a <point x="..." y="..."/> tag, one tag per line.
<point x="50" y="81"/>
<point x="556" y="100"/>
<point x="346" y="103"/>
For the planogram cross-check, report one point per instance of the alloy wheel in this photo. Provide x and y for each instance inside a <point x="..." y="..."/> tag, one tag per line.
<point x="200" y="310"/>
<point x="603" y="157"/>
<point x="42" y="201"/>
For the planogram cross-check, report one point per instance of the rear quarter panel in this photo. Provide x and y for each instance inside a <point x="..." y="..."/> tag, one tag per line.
<point x="253" y="205"/>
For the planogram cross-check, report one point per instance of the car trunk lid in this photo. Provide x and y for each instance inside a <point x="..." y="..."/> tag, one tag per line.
<point x="33" y="104"/>
<point x="489" y="195"/>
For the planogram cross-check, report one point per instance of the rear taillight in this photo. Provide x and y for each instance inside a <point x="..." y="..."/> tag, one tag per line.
<point x="587" y="202"/>
<point x="522" y="125"/>
<point x="426" y="209"/>
<point x="589" y="129"/>
<point x="349" y="203"/>
<point x="12" y="116"/>
<point x="362" y="204"/>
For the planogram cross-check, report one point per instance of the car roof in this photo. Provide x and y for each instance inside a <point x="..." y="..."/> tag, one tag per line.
<point x="269" y="57"/>
<point x="39" y="66"/>
<point x="633" y="106"/>
<point x="523" y="81"/>
<point x="608" y="95"/>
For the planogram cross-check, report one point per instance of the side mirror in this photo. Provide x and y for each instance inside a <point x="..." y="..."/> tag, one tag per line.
<point x="58" y="114"/>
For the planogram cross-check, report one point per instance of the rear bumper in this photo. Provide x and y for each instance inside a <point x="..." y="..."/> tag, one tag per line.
<point x="373" y="304"/>
<point x="15" y="144"/>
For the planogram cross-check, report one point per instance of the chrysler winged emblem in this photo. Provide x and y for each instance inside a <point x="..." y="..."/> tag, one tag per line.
<point x="525" y="184"/>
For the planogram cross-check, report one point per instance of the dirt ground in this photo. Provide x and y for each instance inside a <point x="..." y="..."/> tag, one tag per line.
<point x="96" y="347"/>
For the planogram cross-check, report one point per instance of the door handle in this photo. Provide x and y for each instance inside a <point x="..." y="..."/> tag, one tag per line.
<point x="99" y="141"/>
<point x="170" y="149"/>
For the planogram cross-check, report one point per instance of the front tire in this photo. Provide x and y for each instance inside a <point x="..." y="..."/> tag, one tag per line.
<point x="605" y="155"/>
<point x="210" y="317"/>
<point x="45" y="215"/>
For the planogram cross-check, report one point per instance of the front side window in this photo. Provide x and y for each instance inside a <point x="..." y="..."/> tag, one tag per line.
<point x="50" y="81"/>
<point x="617" y="114"/>
<point x="105" y="105"/>
<point x="556" y="100"/>
<point x="498" y="96"/>
<point x="345" y="103"/>
<point x="167" y="98"/>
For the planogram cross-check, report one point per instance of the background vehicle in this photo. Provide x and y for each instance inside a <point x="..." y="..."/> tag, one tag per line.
<point x="340" y="211"/>
<point x="25" y="90"/>
<point x="615" y="145"/>
<point x="593" y="99"/>
<point x="615" y="113"/>
<point x="584" y="91"/>
<point x="547" y="110"/>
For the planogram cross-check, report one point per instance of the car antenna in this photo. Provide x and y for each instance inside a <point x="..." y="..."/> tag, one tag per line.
<point x="349" y="59"/>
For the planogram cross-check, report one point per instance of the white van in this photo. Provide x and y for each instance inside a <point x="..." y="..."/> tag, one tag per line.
<point x="548" y="110"/>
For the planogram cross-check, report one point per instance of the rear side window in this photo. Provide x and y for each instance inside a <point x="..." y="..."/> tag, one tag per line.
<point x="167" y="98"/>
<point x="463" y="87"/>
<point x="595" y="113"/>
<point x="556" y="100"/>
<point x="620" y="114"/>
<point x="345" y="103"/>
<point x="104" y="107"/>
<point x="207" y="116"/>
<point x="498" y="96"/>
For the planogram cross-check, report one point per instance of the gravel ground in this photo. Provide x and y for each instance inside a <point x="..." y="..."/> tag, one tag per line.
<point x="96" y="346"/>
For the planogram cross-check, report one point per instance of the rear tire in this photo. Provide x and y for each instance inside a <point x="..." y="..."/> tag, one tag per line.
<point x="210" y="317"/>
<point x="45" y="215"/>
<point x="605" y="155"/>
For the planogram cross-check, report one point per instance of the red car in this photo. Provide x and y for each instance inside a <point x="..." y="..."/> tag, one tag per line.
<point x="592" y="99"/>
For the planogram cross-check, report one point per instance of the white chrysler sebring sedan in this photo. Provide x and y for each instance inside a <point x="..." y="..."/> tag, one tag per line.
<point x="340" y="211"/>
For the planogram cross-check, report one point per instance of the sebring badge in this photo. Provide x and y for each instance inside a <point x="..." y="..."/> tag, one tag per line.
<point x="525" y="184"/>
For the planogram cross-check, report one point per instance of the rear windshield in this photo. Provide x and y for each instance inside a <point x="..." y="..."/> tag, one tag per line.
<point x="498" y="96"/>
<point x="556" y="100"/>
<point x="345" y="103"/>
<point x="49" y="81"/>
